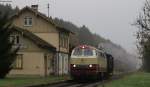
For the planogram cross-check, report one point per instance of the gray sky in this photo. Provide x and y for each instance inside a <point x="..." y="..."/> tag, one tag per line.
<point x="111" y="19"/>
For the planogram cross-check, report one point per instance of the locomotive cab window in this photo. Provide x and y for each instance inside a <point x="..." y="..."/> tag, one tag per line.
<point x="83" y="52"/>
<point x="77" y="52"/>
<point x="88" y="52"/>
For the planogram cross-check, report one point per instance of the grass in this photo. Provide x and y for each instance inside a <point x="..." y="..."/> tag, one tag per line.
<point x="28" y="81"/>
<point x="136" y="80"/>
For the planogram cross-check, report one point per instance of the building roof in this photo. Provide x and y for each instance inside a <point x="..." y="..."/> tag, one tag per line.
<point x="37" y="13"/>
<point x="35" y="39"/>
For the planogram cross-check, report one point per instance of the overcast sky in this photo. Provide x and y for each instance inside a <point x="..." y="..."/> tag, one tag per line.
<point x="111" y="19"/>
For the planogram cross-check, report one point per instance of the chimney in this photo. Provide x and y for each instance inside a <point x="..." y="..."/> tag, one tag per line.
<point x="34" y="7"/>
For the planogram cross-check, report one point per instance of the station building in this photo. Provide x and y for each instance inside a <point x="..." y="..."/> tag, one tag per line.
<point x="44" y="46"/>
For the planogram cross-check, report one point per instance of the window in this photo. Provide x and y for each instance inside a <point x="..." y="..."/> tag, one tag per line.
<point x="83" y="52"/>
<point x="27" y="21"/>
<point x="64" y="40"/>
<point x="61" y="40"/>
<point x="77" y="52"/>
<point x="88" y="52"/>
<point x="15" y="39"/>
<point x="18" y="64"/>
<point x="102" y="55"/>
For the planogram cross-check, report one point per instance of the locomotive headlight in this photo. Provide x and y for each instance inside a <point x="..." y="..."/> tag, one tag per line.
<point x="74" y="65"/>
<point x="90" y="65"/>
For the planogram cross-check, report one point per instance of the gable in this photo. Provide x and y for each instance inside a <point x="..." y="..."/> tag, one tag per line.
<point x="39" y="24"/>
<point x="25" y="44"/>
<point x="30" y="40"/>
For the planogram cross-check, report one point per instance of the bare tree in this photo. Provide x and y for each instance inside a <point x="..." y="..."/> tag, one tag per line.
<point x="143" y="35"/>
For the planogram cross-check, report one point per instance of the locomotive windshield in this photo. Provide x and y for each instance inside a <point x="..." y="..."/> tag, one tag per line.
<point x="83" y="52"/>
<point x="77" y="52"/>
<point x="88" y="52"/>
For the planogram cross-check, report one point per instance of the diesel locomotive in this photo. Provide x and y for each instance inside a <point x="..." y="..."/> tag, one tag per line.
<point x="89" y="62"/>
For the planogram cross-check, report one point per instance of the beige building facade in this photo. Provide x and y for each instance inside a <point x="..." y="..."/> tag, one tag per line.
<point x="44" y="46"/>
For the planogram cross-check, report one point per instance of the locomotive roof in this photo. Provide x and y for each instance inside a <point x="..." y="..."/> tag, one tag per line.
<point x="91" y="47"/>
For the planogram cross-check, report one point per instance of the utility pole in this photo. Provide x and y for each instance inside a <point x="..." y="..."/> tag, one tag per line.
<point x="48" y="9"/>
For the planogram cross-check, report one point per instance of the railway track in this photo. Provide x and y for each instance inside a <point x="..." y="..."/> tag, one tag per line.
<point x="71" y="83"/>
<point x="75" y="84"/>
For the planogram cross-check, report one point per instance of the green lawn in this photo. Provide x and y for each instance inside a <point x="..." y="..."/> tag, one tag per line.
<point x="27" y="81"/>
<point x="135" y="80"/>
